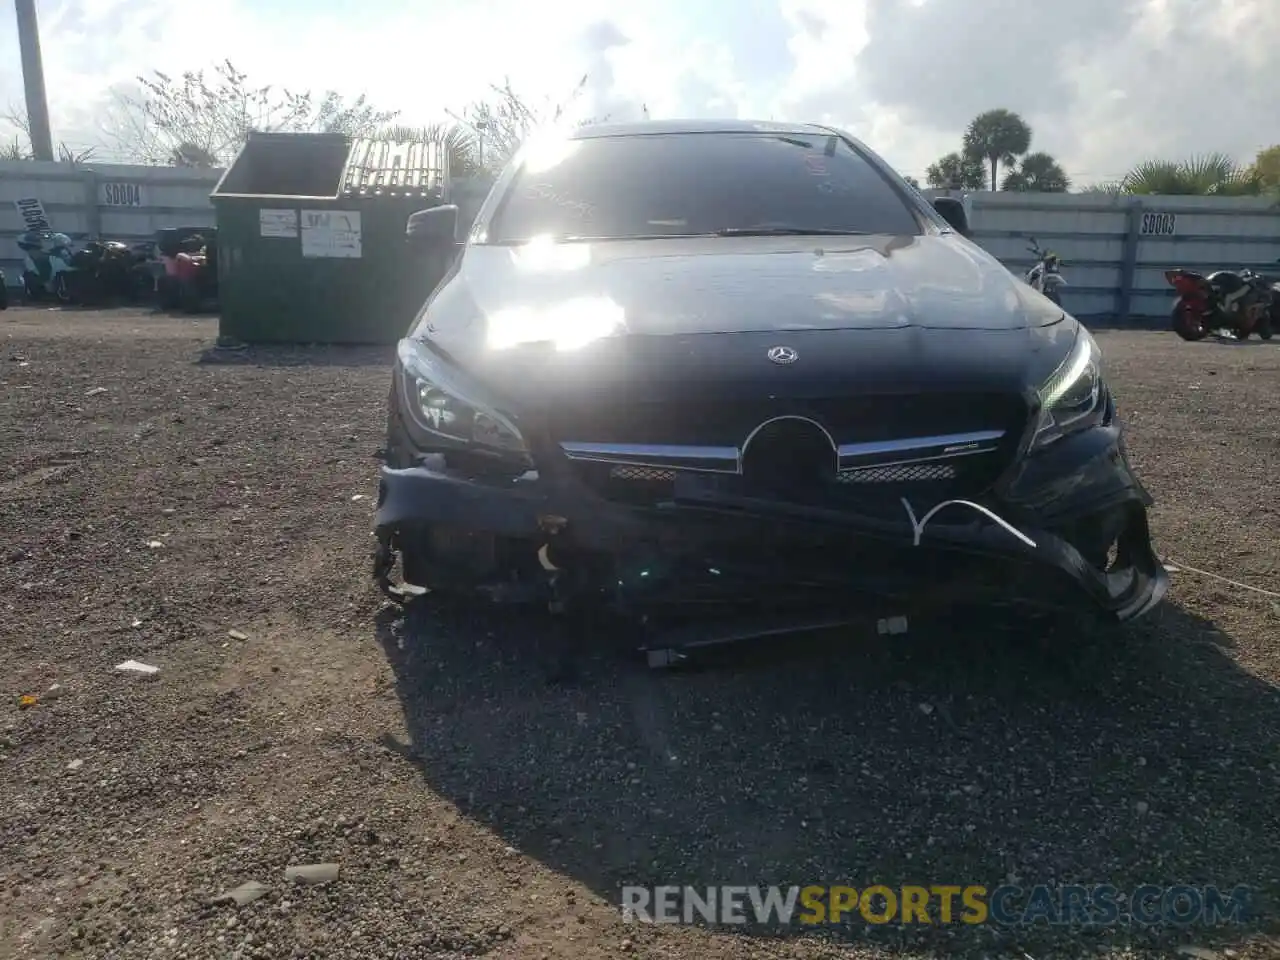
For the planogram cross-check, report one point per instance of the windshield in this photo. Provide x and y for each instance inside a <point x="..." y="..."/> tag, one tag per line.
<point x="692" y="184"/>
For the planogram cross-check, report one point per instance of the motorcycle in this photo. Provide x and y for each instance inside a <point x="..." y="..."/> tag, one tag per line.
<point x="1241" y="302"/>
<point x="110" y="269"/>
<point x="46" y="262"/>
<point x="1046" y="276"/>
<point x="190" y="259"/>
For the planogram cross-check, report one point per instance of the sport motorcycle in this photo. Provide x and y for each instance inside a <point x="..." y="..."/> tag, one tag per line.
<point x="1241" y="302"/>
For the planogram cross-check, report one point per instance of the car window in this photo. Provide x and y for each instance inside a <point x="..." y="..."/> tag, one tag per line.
<point x="696" y="184"/>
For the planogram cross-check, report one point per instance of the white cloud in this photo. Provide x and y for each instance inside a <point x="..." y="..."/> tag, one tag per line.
<point x="1104" y="83"/>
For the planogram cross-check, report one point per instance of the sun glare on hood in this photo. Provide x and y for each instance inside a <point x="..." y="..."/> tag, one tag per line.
<point x="567" y="325"/>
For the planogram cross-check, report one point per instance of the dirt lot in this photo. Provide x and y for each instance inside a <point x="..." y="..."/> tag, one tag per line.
<point x="151" y="502"/>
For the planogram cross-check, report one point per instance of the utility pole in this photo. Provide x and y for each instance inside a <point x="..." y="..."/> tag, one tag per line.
<point x="33" y="80"/>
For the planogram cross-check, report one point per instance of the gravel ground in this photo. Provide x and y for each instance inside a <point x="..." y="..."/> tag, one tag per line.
<point x="213" y="519"/>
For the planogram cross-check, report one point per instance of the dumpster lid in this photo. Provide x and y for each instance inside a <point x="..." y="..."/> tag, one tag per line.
<point x="395" y="168"/>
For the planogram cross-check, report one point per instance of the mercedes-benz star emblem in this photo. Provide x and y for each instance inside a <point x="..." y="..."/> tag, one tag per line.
<point x="782" y="354"/>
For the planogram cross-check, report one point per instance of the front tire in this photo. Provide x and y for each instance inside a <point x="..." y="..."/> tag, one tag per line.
<point x="1188" y="324"/>
<point x="1264" y="328"/>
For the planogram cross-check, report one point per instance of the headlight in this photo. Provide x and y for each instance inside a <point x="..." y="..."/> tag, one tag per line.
<point x="1071" y="398"/>
<point x="446" y="403"/>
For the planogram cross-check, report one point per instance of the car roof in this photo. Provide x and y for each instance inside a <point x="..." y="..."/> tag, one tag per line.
<point x="650" y="127"/>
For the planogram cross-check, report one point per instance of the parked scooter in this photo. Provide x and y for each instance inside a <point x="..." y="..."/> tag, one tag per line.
<point x="46" y="261"/>
<point x="1240" y="302"/>
<point x="1046" y="276"/>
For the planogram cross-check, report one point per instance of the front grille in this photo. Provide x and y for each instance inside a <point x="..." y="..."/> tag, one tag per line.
<point x="900" y="473"/>
<point x="643" y="474"/>
<point x="869" y="480"/>
<point x="859" y="419"/>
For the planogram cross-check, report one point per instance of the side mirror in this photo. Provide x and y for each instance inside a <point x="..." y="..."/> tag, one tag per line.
<point x="433" y="228"/>
<point x="952" y="211"/>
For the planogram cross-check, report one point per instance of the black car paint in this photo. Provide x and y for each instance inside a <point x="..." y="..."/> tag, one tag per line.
<point x="866" y="315"/>
<point x="692" y="319"/>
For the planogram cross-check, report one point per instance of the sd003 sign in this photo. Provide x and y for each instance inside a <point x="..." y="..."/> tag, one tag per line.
<point x="1159" y="224"/>
<point x="122" y="194"/>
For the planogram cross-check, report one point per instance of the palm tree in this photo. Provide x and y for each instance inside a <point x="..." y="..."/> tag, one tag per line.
<point x="997" y="136"/>
<point x="1267" y="166"/>
<point x="956" y="172"/>
<point x="1037" y="173"/>
<point x="1214" y="174"/>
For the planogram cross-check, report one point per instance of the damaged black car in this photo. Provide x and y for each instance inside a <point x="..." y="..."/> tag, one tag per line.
<point x="728" y="366"/>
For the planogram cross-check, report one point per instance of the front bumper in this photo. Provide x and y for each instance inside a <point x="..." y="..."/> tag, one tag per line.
<point x="704" y="544"/>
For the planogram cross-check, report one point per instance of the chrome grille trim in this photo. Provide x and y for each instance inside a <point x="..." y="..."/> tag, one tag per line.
<point x="657" y="456"/>
<point x="852" y="456"/>
<point x="883" y="453"/>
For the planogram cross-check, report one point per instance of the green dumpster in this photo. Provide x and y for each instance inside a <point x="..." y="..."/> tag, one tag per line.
<point x="311" y="238"/>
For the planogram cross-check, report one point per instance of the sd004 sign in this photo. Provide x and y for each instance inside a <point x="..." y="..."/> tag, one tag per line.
<point x="122" y="194"/>
<point x="1159" y="224"/>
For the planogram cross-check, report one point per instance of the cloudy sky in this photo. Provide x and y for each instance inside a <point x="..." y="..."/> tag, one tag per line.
<point x="1104" y="83"/>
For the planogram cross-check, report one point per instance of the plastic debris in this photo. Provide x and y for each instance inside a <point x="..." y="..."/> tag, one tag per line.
<point x="312" y="873"/>
<point x="134" y="666"/>
<point x="237" y="635"/>
<point x="29" y="700"/>
<point x="244" y="894"/>
<point x="75" y="764"/>
<point x="154" y="544"/>
<point x="95" y="391"/>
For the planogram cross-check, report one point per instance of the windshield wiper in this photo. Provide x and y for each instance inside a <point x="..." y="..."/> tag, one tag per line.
<point x="783" y="230"/>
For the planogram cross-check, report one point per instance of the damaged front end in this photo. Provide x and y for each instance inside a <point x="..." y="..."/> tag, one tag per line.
<point x="1022" y="500"/>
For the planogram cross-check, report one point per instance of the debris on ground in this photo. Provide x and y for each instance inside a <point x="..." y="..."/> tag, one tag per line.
<point x="134" y="666"/>
<point x="312" y="873"/>
<point x="245" y="894"/>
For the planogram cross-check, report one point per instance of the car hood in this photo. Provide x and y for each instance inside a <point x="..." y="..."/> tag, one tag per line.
<point x="894" y="311"/>
<point x="729" y="285"/>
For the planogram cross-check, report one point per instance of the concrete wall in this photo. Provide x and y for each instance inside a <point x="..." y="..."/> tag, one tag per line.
<point x="1115" y="248"/>
<point x="115" y="201"/>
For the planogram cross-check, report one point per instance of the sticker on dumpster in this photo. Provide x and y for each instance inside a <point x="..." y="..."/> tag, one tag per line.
<point x="278" y="223"/>
<point x="331" y="233"/>
<point x="32" y="212"/>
